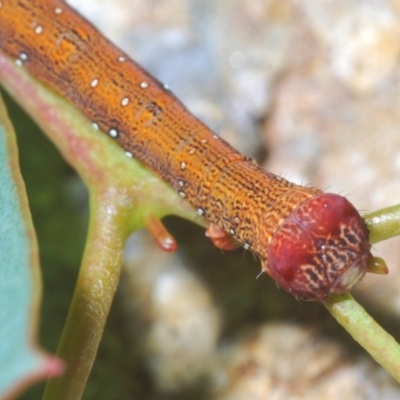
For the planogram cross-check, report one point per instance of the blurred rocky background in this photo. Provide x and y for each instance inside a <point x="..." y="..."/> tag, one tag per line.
<point x="311" y="89"/>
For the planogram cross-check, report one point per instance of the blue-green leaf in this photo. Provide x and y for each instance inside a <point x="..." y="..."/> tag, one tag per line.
<point x="20" y="289"/>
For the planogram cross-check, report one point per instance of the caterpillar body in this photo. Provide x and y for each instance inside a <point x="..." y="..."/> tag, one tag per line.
<point x="312" y="243"/>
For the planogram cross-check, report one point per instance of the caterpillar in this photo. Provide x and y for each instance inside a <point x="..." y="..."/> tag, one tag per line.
<point x="312" y="243"/>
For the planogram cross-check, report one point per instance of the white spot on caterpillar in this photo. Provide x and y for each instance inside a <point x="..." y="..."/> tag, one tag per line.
<point x="39" y="29"/>
<point x="181" y="183"/>
<point x="144" y="85"/>
<point x="192" y="150"/>
<point x="182" y="193"/>
<point x="58" y="10"/>
<point x="121" y="58"/>
<point x="94" y="83"/>
<point x="215" y="137"/>
<point x="232" y="231"/>
<point x="23" y="56"/>
<point x="125" y="101"/>
<point x="204" y="141"/>
<point x="236" y="220"/>
<point x="95" y="125"/>
<point x="200" y="211"/>
<point x="183" y="165"/>
<point x="246" y="246"/>
<point x="113" y="133"/>
<point x="129" y="154"/>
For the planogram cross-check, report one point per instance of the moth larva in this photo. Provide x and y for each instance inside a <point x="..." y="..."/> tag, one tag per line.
<point x="312" y="243"/>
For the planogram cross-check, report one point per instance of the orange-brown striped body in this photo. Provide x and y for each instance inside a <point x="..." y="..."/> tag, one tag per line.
<point x="67" y="53"/>
<point x="71" y="56"/>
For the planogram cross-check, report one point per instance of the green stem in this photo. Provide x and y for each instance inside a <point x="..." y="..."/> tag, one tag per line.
<point x="97" y="283"/>
<point x="383" y="224"/>
<point x="364" y="330"/>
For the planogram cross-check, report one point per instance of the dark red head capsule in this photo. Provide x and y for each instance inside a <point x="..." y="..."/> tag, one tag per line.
<point x="320" y="249"/>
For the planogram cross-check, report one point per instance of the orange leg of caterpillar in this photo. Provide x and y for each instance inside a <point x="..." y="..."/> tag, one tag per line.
<point x="163" y="238"/>
<point x="220" y="237"/>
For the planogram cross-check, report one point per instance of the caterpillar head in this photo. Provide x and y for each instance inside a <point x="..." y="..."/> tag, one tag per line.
<point x="320" y="249"/>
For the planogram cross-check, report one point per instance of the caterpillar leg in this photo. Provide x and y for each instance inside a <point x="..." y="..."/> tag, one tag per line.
<point x="163" y="238"/>
<point x="220" y="237"/>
